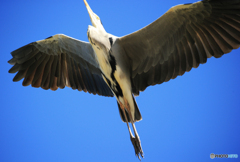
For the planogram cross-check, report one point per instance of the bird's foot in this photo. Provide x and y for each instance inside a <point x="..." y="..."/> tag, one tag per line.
<point x="137" y="147"/>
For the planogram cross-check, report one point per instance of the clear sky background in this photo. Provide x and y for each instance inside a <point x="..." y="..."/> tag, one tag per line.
<point x="184" y="119"/>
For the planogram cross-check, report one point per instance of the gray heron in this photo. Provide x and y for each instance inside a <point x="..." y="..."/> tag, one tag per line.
<point x="182" y="38"/>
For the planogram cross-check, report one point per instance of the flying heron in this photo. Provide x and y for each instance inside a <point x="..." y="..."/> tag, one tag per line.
<point x="184" y="37"/>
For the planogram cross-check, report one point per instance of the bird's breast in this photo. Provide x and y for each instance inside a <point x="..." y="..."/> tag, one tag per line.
<point x="112" y="71"/>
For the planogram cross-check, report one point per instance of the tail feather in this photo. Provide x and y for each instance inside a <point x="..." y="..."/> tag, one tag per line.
<point x="137" y="114"/>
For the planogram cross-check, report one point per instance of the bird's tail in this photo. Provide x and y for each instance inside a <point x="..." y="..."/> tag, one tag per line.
<point x="137" y="114"/>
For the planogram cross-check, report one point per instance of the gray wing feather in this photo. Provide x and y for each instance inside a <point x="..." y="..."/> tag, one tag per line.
<point x="59" y="61"/>
<point x="182" y="38"/>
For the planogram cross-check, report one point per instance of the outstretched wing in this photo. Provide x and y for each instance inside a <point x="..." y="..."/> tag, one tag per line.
<point x="182" y="38"/>
<point x="59" y="61"/>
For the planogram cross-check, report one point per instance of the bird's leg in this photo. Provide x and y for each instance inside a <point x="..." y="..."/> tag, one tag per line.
<point x="130" y="132"/>
<point x="135" y="140"/>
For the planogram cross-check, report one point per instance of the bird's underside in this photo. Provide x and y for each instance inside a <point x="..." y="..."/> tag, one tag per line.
<point x="182" y="38"/>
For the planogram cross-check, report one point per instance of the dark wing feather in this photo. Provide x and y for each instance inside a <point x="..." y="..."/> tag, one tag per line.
<point x="59" y="61"/>
<point x="182" y="38"/>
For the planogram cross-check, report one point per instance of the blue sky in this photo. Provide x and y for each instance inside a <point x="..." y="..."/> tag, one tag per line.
<point x="184" y="119"/>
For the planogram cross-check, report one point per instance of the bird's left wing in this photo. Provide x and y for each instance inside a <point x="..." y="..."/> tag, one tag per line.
<point x="182" y="38"/>
<point x="59" y="61"/>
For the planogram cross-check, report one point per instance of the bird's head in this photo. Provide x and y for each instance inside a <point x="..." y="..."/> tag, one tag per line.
<point x="96" y="22"/>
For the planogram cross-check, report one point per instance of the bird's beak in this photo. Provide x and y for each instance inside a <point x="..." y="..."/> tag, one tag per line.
<point x="91" y="13"/>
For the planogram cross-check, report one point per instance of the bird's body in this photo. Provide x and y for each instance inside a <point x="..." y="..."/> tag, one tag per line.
<point x="114" y="67"/>
<point x="184" y="37"/>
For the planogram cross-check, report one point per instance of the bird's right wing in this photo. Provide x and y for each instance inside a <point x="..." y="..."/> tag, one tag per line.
<point x="59" y="61"/>
<point x="184" y="37"/>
